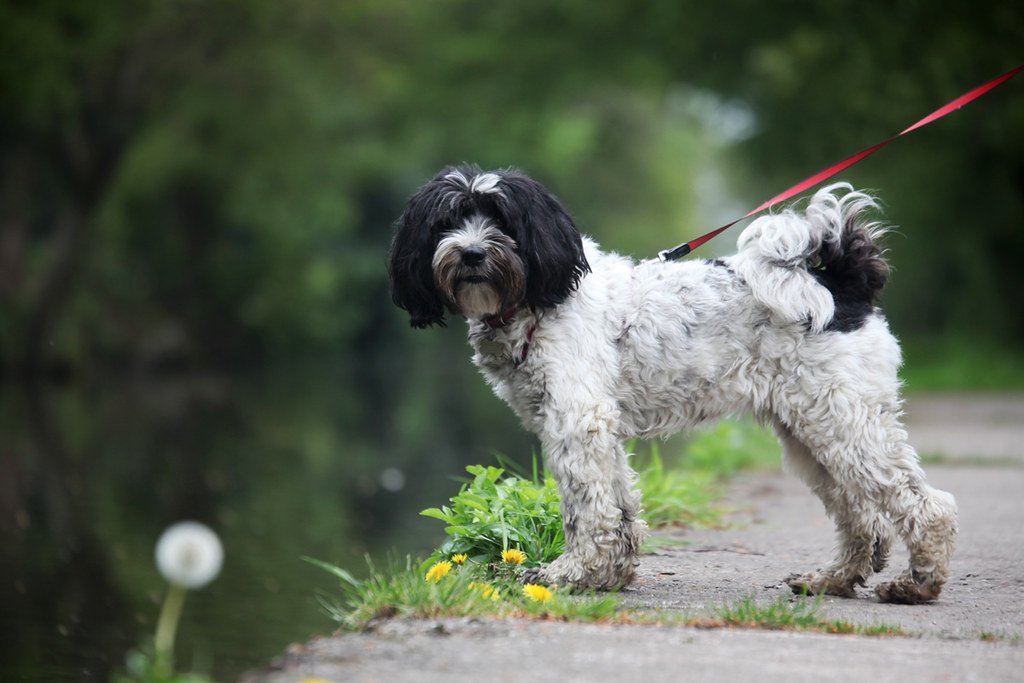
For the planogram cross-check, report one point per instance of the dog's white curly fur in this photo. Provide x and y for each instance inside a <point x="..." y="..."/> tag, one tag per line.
<point x="644" y="349"/>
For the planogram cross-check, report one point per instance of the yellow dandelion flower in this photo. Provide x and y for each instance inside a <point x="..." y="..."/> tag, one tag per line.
<point x="513" y="556"/>
<point x="459" y="558"/>
<point x="486" y="591"/>
<point x="438" y="571"/>
<point x="537" y="593"/>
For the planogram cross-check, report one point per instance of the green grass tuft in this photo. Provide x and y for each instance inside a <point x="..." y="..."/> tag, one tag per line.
<point x="792" y="614"/>
<point x="994" y="637"/>
<point x="677" y="496"/>
<point x="400" y="590"/>
<point x="470" y="589"/>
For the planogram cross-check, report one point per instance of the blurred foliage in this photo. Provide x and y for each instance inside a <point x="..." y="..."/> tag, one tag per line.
<point x="212" y="183"/>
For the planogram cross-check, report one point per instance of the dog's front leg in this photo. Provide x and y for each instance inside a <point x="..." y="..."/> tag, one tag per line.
<point x="599" y="504"/>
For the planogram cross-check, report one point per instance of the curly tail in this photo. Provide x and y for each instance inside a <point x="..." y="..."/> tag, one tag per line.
<point x="823" y="267"/>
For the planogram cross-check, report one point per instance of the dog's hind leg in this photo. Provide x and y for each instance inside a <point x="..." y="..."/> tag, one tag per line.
<point x="873" y="465"/>
<point x="926" y="519"/>
<point x="863" y="534"/>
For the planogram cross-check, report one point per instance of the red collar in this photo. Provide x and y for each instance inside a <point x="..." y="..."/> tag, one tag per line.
<point x="499" y="320"/>
<point x="526" y="346"/>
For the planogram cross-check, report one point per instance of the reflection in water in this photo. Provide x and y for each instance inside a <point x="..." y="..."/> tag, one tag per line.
<point x="281" y="467"/>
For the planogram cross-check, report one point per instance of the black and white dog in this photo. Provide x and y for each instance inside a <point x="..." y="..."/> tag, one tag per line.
<point x="591" y="349"/>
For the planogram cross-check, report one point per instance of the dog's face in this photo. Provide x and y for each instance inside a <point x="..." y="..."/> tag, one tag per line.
<point x="477" y="244"/>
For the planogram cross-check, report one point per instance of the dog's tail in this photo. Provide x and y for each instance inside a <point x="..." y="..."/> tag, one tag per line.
<point x="823" y="267"/>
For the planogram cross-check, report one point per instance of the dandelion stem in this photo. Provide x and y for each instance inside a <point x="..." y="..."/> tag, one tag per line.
<point x="168" y="624"/>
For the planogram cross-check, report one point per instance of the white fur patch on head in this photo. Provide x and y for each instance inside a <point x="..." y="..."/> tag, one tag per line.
<point x="484" y="183"/>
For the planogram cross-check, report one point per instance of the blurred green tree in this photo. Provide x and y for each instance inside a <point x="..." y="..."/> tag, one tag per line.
<point x="213" y="182"/>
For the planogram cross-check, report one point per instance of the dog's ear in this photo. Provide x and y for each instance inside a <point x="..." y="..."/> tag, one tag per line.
<point x="412" y="249"/>
<point x="546" y="236"/>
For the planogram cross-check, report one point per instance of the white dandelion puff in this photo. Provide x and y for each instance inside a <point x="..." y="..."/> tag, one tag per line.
<point x="189" y="555"/>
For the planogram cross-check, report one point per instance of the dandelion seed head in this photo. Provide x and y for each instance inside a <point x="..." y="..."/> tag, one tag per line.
<point x="189" y="555"/>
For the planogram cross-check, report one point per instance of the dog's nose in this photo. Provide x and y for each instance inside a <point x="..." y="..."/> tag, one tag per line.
<point x="473" y="256"/>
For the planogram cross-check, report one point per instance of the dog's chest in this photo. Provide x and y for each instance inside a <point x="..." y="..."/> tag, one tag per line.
<point x="504" y="363"/>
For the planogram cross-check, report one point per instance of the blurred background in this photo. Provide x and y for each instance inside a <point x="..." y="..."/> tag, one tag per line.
<point x="196" y="201"/>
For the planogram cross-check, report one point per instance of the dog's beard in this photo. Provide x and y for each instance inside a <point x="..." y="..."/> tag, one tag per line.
<point x="481" y="289"/>
<point x="476" y="300"/>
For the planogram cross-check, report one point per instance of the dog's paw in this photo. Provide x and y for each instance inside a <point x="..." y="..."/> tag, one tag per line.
<point x="562" y="572"/>
<point x="906" y="590"/>
<point x="821" y="583"/>
<point x="565" y="572"/>
<point x="534" y="575"/>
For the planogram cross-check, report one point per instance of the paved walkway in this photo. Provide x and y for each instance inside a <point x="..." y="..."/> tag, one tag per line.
<point x="986" y="427"/>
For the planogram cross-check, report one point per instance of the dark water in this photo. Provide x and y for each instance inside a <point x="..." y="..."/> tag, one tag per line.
<point x="281" y="465"/>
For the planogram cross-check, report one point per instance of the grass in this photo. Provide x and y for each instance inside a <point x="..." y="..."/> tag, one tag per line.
<point x="799" y="614"/>
<point x="993" y="637"/>
<point x="686" y="492"/>
<point x="958" y="363"/>
<point x="730" y="447"/>
<point x="402" y="591"/>
<point x="678" y="496"/>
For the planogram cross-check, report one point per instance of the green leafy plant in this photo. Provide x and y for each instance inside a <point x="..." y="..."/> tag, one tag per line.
<point x="496" y="511"/>
<point x="145" y="665"/>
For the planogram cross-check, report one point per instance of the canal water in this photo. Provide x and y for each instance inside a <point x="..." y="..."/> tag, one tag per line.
<point x="330" y="461"/>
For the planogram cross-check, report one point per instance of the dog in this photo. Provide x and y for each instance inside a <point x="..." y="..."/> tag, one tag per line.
<point x="590" y="349"/>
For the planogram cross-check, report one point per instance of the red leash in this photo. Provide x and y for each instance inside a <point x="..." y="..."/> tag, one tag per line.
<point x="687" y="247"/>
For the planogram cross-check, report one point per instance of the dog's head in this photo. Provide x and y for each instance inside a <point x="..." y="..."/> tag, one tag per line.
<point x="479" y="243"/>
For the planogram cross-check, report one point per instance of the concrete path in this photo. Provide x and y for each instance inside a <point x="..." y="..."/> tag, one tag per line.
<point x="974" y="632"/>
<point x="986" y="427"/>
<point x="780" y="528"/>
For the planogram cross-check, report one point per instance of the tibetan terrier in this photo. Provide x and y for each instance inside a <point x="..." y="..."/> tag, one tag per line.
<point x="591" y="349"/>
